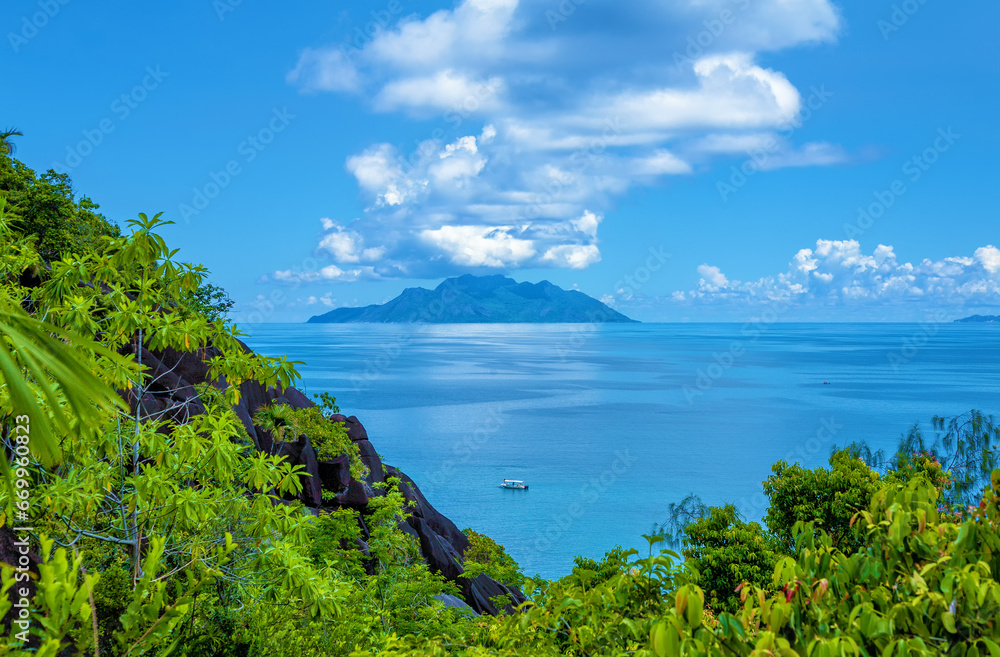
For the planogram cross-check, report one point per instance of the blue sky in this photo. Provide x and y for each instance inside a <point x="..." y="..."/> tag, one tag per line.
<point x="324" y="154"/>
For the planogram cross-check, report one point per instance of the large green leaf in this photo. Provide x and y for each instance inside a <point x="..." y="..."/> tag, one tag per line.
<point x="41" y="360"/>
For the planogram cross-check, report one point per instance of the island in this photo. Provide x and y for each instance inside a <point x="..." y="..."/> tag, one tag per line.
<point x="472" y="299"/>
<point x="979" y="319"/>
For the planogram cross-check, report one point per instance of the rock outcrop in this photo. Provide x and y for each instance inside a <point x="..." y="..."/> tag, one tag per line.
<point x="442" y="544"/>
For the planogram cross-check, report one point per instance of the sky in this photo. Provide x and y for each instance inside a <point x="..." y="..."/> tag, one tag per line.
<point x="681" y="160"/>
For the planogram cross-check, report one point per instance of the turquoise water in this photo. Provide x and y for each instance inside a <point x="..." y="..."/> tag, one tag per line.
<point x="610" y="423"/>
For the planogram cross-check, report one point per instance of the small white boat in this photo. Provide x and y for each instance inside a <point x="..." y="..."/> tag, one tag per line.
<point x="514" y="484"/>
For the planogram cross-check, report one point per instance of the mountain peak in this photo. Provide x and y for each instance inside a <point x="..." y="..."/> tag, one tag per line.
<point x="481" y="300"/>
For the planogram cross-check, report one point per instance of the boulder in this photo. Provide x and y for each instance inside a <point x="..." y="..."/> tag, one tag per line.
<point x="455" y="602"/>
<point x="479" y="591"/>
<point x="355" y="430"/>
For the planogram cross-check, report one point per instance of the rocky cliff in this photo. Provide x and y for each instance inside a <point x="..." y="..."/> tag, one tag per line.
<point x="442" y="544"/>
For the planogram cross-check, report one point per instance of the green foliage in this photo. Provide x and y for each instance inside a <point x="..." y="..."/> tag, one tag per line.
<point x="958" y="460"/>
<point x="7" y="145"/>
<point x="210" y="301"/>
<point x="329" y="438"/>
<point x="916" y="586"/>
<point x="327" y="403"/>
<point x="392" y="589"/>
<point x="44" y="208"/>
<point x="171" y="495"/>
<point x="726" y="551"/>
<point x="614" y="561"/>
<point x="679" y="516"/>
<point x="485" y="555"/>
<point x="828" y="498"/>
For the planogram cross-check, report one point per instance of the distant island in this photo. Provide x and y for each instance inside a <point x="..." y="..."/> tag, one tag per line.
<point x="472" y="299"/>
<point x="979" y="319"/>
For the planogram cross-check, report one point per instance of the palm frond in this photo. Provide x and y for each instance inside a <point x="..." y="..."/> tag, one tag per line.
<point x="38" y="360"/>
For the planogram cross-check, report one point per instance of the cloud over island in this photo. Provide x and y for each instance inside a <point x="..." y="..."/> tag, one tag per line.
<point x="552" y="113"/>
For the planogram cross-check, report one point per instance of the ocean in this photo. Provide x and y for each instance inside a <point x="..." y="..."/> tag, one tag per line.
<point x="610" y="423"/>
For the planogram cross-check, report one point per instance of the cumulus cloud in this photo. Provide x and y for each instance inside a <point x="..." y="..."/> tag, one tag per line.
<point x="839" y="273"/>
<point x="327" y="274"/>
<point x="480" y="246"/>
<point x="559" y="114"/>
<point x="441" y="91"/>
<point x="432" y="214"/>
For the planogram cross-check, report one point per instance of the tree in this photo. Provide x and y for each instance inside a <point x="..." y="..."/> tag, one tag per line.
<point x="827" y="498"/>
<point x="42" y="365"/>
<point x="7" y="145"/>
<point x="727" y="551"/>
<point x="484" y="555"/>
<point x="44" y="209"/>
<point x="191" y="500"/>
<point x="961" y="456"/>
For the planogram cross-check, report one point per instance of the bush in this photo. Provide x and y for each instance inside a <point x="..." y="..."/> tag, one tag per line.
<point x="726" y="551"/>
<point x="485" y="555"/>
<point x="827" y="498"/>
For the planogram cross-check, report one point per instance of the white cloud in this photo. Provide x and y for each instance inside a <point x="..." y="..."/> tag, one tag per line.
<point x="411" y="227"/>
<point x="444" y="90"/>
<point x="989" y="258"/>
<point x="573" y="256"/>
<point x="568" y="115"/>
<point x="380" y="174"/>
<point x="660" y="163"/>
<point x="587" y="224"/>
<point x="810" y="155"/>
<point x="480" y="246"/>
<point x="838" y="273"/>
<point x="732" y="92"/>
<point x="327" y="274"/>
<point x="346" y="246"/>
<point x="711" y="277"/>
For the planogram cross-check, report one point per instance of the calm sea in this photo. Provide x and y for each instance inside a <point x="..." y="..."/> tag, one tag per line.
<point x="610" y="423"/>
